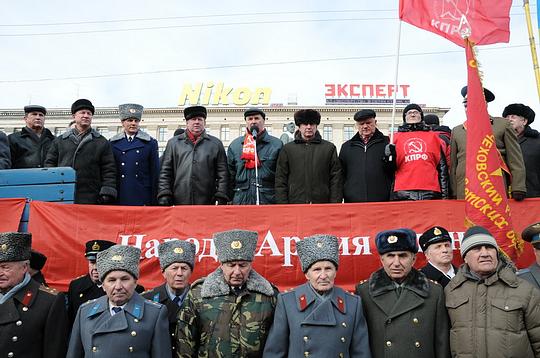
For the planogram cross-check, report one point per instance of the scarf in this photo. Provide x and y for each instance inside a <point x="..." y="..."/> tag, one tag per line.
<point x="194" y="139"/>
<point x="248" y="152"/>
<point x="6" y="296"/>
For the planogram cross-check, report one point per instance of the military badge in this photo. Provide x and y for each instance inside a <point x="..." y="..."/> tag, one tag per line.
<point x="96" y="246"/>
<point x="320" y="245"/>
<point x="117" y="258"/>
<point x="4" y="247"/>
<point x="178" y="250"/>
<point x="392" y="239"/>
<point x="437" y="231"/>
<point x="235" y="245"/>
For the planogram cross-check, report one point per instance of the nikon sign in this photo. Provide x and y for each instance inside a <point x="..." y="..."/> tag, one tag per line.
<point x="218" y="94"/>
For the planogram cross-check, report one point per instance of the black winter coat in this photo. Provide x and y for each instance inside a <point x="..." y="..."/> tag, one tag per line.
<point x="367" y="175"/>
<point x="33" y="323"/>
<point x="93" y="162"/>
<point x="194" y="174"/>
<point x="308" y="172"/>
<point x="27" y="149"/>
<point x="5" y="156"/>
<point x="530" y="147"/>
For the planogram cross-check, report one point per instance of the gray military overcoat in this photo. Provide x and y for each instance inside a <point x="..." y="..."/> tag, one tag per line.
<point x="305" y="326"/>
<point x="531" y="274"/>
<point x="140" y="330"/>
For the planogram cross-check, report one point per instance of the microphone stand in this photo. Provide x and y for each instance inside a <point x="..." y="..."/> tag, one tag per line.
<point x="257" y="201"/>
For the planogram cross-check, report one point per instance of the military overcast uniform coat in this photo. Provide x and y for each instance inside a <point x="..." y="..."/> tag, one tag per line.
<point x="160" y="295"/>
<point x="137" y="168"/>
<point x="214" y="322"/>
<point x="531" y="274"/>
<point x="436" y="275"/>
<point x="304" y="326"/>
<point x="413" y="325"/>
<point x="140" y="330"/>
<point x="81" y="290"/>
<point x="33" y="323"/>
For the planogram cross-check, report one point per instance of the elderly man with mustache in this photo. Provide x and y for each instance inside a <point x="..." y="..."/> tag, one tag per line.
<point x="493" y="313"/>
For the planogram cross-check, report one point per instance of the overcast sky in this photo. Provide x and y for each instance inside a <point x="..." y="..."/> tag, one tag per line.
<point x="72" y="49"/>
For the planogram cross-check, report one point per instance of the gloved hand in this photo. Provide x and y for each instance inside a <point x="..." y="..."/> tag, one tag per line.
<point x="390" y="151"/>
<point x="165" y="201"/>
<point x="105" y="199"/>
<point x="518" y="195"/>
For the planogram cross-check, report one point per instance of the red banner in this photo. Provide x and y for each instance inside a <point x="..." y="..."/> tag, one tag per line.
<point x="10" y="212"/>
<point x="484" y="21"/>
<point x="485" y="193"/>
<point x="60" y="231"/>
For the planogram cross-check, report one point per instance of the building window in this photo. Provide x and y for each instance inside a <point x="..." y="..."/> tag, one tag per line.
<point x="268" y="130"/>
<point x="161" y="133"/>
<point x="225" y="133"/>
<point x="104" y="131"/>
<point x="348" y="132"/>
<point x="327" y="132"/>
<point x="120" y="129"/>
<point x="142" y="129"/>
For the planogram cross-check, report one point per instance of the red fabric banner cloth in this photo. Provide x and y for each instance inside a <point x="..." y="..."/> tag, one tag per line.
<point x="486" y="21"/>
<point x="10" y="213"/>
<point x="60" y="232"/>
<point x="485" y="193"/>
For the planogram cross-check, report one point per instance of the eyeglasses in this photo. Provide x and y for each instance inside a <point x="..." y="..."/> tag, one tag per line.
<point x="411" y="112"/>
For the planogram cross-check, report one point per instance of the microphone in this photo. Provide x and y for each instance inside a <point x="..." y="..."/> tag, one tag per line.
<point x="254" y="131"/>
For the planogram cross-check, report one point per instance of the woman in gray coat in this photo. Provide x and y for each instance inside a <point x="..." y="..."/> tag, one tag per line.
<point x="317" y="318"/>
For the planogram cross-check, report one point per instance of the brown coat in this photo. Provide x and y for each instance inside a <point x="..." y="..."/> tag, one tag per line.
<point x="497" y="317"/>
<point x="508" y="146"/>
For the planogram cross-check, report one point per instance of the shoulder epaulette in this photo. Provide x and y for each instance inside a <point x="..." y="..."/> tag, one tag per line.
<point x="88" y="302"/>
<point x="157" y="304"/>
<point x="48" y="289"/>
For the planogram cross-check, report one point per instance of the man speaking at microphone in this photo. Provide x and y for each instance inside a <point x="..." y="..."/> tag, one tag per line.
<point x="251" y="160"/>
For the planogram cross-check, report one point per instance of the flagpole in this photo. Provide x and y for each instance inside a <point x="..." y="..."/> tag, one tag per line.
<point x="532" y="45"/>
<point x="393" y="126"/>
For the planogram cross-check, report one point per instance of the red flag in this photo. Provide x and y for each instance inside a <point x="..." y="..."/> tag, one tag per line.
<point x="485" y="21"/>
<point x="486" y="203"/>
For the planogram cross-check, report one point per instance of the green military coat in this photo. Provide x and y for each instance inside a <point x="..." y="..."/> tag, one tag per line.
<point x="413" y="324"/>
<point x="215" y="322"/>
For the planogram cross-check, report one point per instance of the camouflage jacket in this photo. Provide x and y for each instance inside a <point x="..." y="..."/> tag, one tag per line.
<point x="215" y="322"/>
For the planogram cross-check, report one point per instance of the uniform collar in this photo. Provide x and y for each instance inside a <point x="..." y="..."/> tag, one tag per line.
<point x="214" y="285"/>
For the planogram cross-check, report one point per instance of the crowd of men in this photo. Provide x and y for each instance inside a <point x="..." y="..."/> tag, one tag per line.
<point x="425" y="161"/>
<point x="484" y="309"/>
